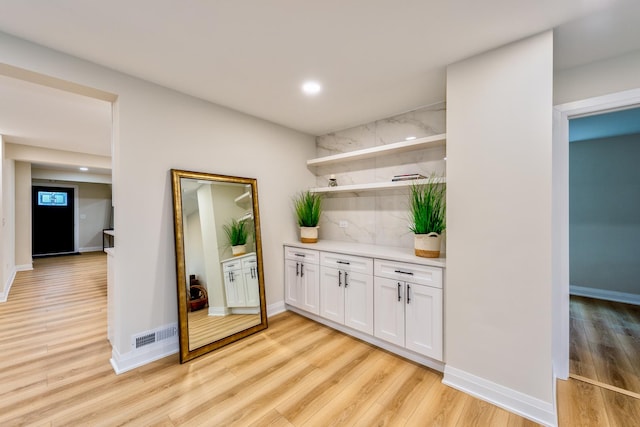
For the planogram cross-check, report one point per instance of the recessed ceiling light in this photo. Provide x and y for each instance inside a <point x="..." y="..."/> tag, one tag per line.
<point x="311" y="88"/>
<point x="410" y="138"/>
<point x="83" y="169"/>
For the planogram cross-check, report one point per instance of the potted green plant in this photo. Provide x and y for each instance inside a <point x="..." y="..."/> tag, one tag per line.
<point x="308" y="207"/>
<point x="427" y="203"/>
<point x="237" y="234"/>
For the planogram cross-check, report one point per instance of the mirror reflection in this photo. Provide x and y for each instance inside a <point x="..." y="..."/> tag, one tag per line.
<point x="218" y="253"/>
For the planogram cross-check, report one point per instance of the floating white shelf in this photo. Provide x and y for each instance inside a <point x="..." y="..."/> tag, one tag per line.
<point x="243" y="198"/>
<point x="396" y="147"/>
<point x="373" y="186"/>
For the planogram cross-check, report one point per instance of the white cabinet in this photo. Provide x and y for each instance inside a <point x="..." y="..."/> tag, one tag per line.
<point x="346" y="290"/>
<point x="302" y="279"/>
<point x="241" y="281"/>
<point x="408" y="306"/>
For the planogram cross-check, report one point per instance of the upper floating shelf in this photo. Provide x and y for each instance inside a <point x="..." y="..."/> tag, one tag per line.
<point x="243" y="198"/>
<point x="374" y="186"/>
<point x="396" y="147"/>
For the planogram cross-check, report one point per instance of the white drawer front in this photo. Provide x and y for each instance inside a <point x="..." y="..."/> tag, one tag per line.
<point x="347" y="262"/>
<point x="416" y="273"/>
<point x="249" y="262"/>
<point x="232" y="265"/>
<point x="298" y="254"/>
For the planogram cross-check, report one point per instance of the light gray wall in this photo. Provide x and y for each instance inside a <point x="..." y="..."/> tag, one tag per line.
<point x="498" y="295"/>
<point x="604" y="219"/>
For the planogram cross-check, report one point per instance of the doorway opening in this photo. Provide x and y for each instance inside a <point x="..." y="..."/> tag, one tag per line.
<point x="54" y="220"/>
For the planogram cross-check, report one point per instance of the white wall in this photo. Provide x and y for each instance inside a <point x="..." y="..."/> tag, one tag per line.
<point x="599" y="78"/>
<point x="498" y="296"/>
<point x="157" y="129"/>
<point x="7" y="238"/>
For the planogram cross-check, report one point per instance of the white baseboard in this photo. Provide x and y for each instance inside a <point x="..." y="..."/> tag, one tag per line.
<point x="91" y="249"/>
<point x="513" y="401"/>
<point x="245" y="310"/>
<point x="605" y="294"/>
<point x="276" y="308"/>
<point x="219" y="311"/>
<point x="135" y="358"/>
<point x="24" y="267"/>
<point x="4" y="295"/>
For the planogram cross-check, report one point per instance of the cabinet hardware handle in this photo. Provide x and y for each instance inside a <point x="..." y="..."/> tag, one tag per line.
<point x="399" y="296"/>
<point x="343" y="262"/>
<point x="404" y="272"/>
<point x="297" y="271"/>
<point x="339" y="278"/>
<point x="301" y="255"/>
<point x="301" y="270"/>
<point x="408" y="293"/>
<point x="345" y="279"/>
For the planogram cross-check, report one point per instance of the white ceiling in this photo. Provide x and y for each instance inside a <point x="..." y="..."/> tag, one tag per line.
<point x="375" y="58"/>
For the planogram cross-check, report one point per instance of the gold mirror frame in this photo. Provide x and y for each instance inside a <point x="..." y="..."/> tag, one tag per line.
<point x="186" y="353"/>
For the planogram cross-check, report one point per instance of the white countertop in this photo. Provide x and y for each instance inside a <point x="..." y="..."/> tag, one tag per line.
<point x="371" y="251"/>
<point x="235" y="258"/>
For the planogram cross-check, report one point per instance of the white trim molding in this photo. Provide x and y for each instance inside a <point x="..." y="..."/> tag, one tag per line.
<point x="122" y="363"/>
<point x="276" y="308"/>
<point x="605" y="294"/>
<point x="7" y="286"/>
<point x="219" y="311"/>
<point x="513" y="401"/>
<point x="90" y="249"/>
<point x="24" y="267"/>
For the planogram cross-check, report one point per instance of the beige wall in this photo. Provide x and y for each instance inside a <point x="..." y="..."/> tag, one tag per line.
<point x="498" y="291"/>
<point x="157" y="129"/>
<point x="23" y="215"/>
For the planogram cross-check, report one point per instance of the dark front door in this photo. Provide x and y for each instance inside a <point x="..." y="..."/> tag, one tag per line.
<point x="52" y="220"/>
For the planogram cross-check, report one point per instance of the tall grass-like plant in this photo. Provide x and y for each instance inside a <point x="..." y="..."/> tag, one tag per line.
<point x="308" y="207"/>
<point x="237" y="232"/>
<point x="427" y="203"/>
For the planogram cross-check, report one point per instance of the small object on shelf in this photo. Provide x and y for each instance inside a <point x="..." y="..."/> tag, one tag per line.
<point x="407" y="177"/>
<point x="332" y="181"/>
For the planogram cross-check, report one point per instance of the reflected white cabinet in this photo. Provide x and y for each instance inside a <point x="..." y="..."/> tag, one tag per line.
<point x="346" y="290"/>
<point x="302" y="279"/>
<point x="408" y="306"/>
<point x="241" y="281"/>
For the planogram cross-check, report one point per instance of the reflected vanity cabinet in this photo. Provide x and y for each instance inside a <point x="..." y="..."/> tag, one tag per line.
<point x="241" y="281"/>
<point x="408" y="306"/>
<point x="302" y="278"/>
<point x="346" y="290"/>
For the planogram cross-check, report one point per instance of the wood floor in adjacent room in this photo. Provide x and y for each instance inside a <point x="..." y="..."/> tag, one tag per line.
<point x="55" y="371"/>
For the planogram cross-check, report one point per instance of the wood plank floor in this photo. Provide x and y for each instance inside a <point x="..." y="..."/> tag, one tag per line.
<point x="204" y="329"/>
<point x="605" y="342"/>
<point x="54" y="371"/>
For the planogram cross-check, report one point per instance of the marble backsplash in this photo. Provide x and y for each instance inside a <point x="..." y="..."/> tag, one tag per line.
<point x="377" y="217"/>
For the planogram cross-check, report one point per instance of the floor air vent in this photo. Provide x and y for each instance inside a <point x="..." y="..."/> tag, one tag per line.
<point x="157" y="335"/>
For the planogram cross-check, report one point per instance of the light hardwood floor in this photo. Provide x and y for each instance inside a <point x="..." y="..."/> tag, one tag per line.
<point x="204" y="329"/>
<point x="605" y="342"/>
<point x="54" y="370"/>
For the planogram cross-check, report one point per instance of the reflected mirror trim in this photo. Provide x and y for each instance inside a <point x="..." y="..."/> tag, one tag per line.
<point x="176" y="175"/>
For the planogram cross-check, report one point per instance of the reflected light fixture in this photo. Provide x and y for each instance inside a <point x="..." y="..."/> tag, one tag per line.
<point x="84" y="169"/>
<point x="410" y="138"/>
<point x="311" y="87"/>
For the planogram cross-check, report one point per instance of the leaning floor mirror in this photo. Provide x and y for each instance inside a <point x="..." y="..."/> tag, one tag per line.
<point x="218" y="260"/>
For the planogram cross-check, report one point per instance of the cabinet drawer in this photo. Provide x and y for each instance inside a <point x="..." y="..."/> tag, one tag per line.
<point x="299" y="254"/>
<point x="232" y="265"/>
<point x="415" y="273"/>
<point x="350" y="263"/>
<point x="249" y="262"/>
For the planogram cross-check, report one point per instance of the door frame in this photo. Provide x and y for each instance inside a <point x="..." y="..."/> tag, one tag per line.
<point x="560" y="211"/>
<point x="76" y="209"/>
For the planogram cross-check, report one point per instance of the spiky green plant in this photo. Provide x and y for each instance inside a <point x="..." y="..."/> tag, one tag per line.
<point x="236" y="232"/>
<point x="427" y="203"/>
<point x="308" y="207"/>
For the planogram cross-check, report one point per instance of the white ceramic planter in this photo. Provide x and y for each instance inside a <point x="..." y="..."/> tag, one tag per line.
<point x="309" y="234"/>
<point x="427" y="245"/>
<point x="238" y="250"/>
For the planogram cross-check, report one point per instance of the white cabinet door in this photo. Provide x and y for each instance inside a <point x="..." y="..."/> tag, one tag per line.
<point x="291" y="284"/>
<point x="332" y="294"/>
<point x="252" y="290"/>
<point x="389" y="309"/>
<point x="310" y="287"/>
<point x="424" y="320"/>
<point x="358" y="301"/>
<point x="234" y="287"/>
